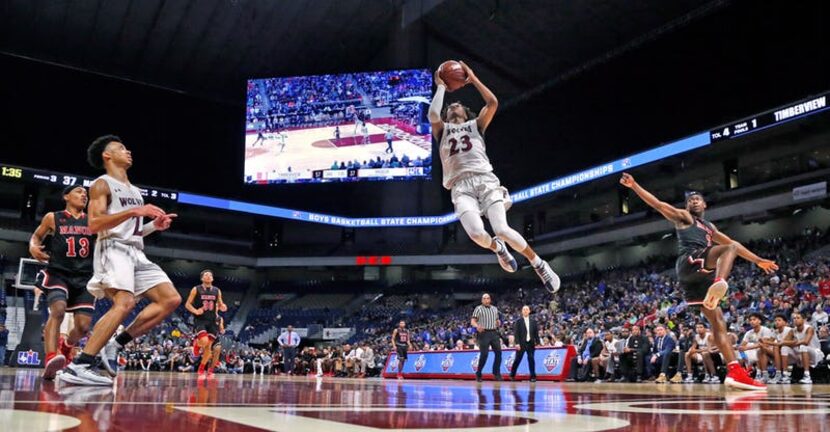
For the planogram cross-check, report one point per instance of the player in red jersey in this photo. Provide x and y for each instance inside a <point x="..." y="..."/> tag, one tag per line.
<point x="704" y="265"/>
<point x="203" y="302"/>
<point x="64" y="278"/>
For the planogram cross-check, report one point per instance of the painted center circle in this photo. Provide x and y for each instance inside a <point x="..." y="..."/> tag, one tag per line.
<point x="33" y="421"/>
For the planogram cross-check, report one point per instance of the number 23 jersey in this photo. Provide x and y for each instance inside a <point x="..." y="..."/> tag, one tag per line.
<point x="462" y="152"/>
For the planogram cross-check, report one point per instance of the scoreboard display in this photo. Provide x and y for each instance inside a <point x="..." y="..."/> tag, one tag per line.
<point x="770" y="118"/>
<point x="61" y="180"/>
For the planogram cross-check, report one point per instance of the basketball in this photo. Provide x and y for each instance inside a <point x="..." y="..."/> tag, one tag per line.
<point x="453" y="75"/>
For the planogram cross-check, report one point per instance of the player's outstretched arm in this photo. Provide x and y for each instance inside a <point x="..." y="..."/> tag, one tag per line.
<point x="491" y="103"/>
<point x="768" y="266"/>
<point x="670" y="212"/>
<point x="46" y="228"/>
<point x="99" y="220"/>
<point x="436" y="106"/>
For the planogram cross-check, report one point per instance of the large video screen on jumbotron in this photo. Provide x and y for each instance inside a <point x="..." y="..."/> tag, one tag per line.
<point x="338" y="128"/>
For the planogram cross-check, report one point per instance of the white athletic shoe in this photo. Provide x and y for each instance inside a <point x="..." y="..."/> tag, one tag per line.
<point x="775" y="380"/>
<point x="549" y="278"/>
<point x="689" y="380"/>
<point x="806" y="380"/>
<point x="109" y="357"/>
<point x="714" y="379"/>
<point x="506" y="260"/>
<point x="786" y="379"/>
<point x="82" y="374"/>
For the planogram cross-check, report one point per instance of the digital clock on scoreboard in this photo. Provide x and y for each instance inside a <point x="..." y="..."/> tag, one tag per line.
<point x="11" y="172"/>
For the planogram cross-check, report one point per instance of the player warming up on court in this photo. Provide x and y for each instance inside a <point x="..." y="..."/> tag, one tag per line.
<point x="706" y="258"/>
<point x="401" y="343"/>
<point x="203" y="302"/>
<point x="64" y="278"/>
<point x="475" y="190"/>
<point x="121" y="271"/>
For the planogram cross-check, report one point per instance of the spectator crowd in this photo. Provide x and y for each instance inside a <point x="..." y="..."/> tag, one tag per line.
<point x="627" y="324"/>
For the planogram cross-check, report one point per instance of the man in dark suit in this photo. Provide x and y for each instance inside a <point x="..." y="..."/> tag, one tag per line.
<point x="661" y="352"/>
<point x="633" y="356"/>
<point x="526" y="332"/>
<point x="589" y="349"/>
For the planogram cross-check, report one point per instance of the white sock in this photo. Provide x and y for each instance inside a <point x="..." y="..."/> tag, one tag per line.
<point x="807" y="374"/>
<point x="536" y="262"/>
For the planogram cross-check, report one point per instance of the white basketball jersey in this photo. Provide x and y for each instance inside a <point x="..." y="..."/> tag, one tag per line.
<point x="462" y="151"/>
<point x="800" y="335"/>
<point x="781" y="335"/>
<point x="752" y="337"/>
<point x="123" y="197"/>
<point x="701" y="341"/>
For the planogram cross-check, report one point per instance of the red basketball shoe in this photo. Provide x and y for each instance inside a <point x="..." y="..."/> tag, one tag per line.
<point x="739" y="379"/>
<point x="54" y="362"/>
<point x="66" y="349"/>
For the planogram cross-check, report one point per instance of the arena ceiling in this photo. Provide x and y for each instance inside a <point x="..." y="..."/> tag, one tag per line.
<point x="209" y="47"/>
<point x="580" y="82"/>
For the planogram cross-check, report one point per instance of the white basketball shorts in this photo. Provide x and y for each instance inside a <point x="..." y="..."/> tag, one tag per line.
<point x="123" y="267"/>
<point x="477" y="192"/>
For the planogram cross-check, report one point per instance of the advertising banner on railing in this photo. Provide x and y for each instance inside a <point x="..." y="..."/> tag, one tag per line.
<point x="552" y="364"/>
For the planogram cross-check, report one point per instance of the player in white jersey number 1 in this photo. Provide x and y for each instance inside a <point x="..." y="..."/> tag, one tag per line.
<point x="121" y="272"/>
<point x="475" y="190"/>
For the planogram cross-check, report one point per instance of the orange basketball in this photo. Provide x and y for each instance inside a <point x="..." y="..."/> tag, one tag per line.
<point x="453" y="75"/>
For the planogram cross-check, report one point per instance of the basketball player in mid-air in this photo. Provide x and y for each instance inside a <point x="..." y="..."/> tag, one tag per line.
<point x="121" y="271"/>
<point x="203" y="302"/>
<point x="64" y="278"/>
<point x="401" y="343"/>
<point x="704" y="265"/>
<point x="475" y="190"/>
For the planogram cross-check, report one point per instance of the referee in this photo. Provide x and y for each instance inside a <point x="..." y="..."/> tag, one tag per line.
<point x="486" y="320"/>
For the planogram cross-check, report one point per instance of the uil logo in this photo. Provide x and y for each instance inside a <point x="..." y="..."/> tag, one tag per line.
<point x="474" y="363"/>
<point x="447" y="363"/>
<point x="393" y="364"/>
<point x="28" y="358"/>
<point x="420" y="363"/>
<point x="508" y="363"/>
<point x="551" y="361"/>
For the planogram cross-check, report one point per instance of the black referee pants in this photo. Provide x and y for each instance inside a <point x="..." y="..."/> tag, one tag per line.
<point x="487" y="339"/>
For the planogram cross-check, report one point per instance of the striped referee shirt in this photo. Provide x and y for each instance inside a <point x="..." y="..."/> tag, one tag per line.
<point x="486" y="316"/>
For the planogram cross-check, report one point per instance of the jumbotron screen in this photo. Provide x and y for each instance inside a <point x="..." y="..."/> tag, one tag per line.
<point x="339" y="128"/>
